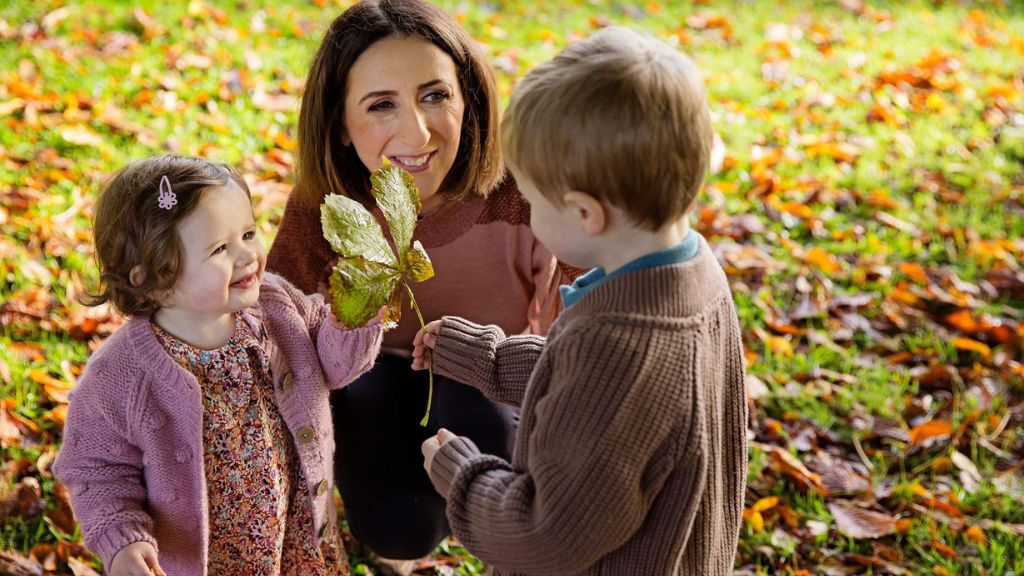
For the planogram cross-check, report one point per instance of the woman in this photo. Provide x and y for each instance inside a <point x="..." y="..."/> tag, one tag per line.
<point x="402" y="79"/>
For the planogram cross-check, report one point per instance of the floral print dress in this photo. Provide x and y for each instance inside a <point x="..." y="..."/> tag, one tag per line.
<point x="258" y="504"/>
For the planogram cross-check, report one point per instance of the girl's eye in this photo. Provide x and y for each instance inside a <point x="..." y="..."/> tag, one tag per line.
<point x="381" y="106"/>
<point x="249" y="235"/>
<point x="220" y="249"/>
<point x="436" y="97"/>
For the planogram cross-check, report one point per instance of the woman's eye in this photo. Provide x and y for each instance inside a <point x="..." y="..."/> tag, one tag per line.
<point x="435" y="97"/>
<point x="381" y="106"/>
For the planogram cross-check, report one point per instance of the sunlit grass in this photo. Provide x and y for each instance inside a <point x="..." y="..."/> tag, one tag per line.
<point x="104" y="56"/>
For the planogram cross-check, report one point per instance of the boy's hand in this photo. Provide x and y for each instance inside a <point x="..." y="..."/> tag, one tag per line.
<point x="136" y="559"/>
<point x="424" y="341"/>
<point x="373" y="321"/>
<point x="431" y="445"/>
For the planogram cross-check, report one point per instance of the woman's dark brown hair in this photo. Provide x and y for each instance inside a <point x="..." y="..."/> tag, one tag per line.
<point x="327" y="166"/>
<point x="131" y="229"/>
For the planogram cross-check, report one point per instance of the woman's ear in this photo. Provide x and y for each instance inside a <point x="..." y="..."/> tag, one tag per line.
<point x="590" y="212"/>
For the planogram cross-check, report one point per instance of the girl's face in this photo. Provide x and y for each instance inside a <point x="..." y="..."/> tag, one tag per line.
<point x="404" y="102"/>
<point x="222" y="260"/>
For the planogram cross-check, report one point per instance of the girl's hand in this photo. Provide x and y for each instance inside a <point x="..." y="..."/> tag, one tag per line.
<point x="425" y="339"/>
<point x="431" y="445"/>
<point x="373" y="321"/>
<point x="136" y="559"/>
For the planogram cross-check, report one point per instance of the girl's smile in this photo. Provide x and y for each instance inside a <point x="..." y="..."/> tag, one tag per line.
<point x="246" y="281"/>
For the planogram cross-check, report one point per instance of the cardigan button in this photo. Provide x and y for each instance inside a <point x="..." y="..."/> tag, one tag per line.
<point x="306" y="435"/>
<point x="289" y="380"/>
<point x="322" y="487"/>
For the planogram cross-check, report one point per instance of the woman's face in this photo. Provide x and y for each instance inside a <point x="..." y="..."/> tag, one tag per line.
<point x="404" y="102"/>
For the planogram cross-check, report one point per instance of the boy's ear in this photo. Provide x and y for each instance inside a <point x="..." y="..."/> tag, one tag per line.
<point x="590" y="212"/>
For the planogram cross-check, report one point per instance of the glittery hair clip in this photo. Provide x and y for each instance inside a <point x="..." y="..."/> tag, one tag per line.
<point x="167" y="198"/>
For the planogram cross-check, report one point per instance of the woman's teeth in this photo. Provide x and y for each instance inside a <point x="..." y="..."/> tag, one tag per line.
<point x="412" y="161"/>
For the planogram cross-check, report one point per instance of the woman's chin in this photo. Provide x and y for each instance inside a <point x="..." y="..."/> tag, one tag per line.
<point x="430" y="202"/>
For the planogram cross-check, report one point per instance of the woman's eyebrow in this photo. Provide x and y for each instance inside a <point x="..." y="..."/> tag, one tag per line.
<point x="377" y="93"/>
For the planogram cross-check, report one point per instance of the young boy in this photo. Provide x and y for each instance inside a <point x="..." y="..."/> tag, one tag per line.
<point x="631" y="451"/>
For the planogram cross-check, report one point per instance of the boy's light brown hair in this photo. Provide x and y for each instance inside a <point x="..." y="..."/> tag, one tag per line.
<point x="620" y="116"/>
<point x="132" y="229"/>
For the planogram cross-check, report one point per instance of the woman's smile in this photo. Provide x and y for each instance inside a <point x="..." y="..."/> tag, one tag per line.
<point x="414" y="164"/>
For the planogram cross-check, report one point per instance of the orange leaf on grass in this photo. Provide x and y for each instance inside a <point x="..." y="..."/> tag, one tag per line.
<point x="976" y="535"/>
<point x="944" y="507"/>
<point x="10" y="434"/>
<point x="964" y="321"/>
<point x="796" y="209"/>
<point x="822" y="260"/>
<point x="970" y="345"/>
<point x="945" y="550"/>
<point x="929" y="430"/>
<point x="754" y="519"/>
<point x="766" y="503"/>
<point x="57" y="390"/>
<point x="787" y="464"/>
<point x="915" y="272"/>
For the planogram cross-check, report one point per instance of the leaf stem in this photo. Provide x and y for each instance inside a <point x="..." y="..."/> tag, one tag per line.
<point x="430" y="356"/>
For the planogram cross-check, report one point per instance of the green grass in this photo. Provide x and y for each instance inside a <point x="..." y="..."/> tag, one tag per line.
<point x="949" y="169"/>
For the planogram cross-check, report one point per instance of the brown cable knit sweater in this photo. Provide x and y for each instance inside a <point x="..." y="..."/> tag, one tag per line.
<point x="631" y="453"/>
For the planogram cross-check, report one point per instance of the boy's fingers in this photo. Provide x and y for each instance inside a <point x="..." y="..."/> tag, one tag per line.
<point x="444" y="435"/>
<point x="430" y="445"/>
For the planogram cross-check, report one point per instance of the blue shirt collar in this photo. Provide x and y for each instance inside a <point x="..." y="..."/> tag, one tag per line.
<point x="586" y="283"/>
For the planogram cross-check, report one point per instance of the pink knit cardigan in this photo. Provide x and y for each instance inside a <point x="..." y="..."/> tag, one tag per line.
<point x="132" y="453"/>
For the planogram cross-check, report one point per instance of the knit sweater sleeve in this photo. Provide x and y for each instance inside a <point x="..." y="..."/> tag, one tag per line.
<point x="344" y="353"/>
<point x="299" y="252"/>
<point x="103" y="469"/>
<point x="483" y="357"/>
<point x="600" y="448"/>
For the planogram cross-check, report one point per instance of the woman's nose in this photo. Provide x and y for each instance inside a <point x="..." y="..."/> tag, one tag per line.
<point x="413" y="129"/>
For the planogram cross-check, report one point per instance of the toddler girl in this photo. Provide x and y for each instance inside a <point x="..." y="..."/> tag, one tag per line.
<point x="199" y="438"/>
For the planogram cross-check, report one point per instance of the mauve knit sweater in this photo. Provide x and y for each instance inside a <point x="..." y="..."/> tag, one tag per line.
<point x="631" y="452"/>
<point x="132" y="449"/>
